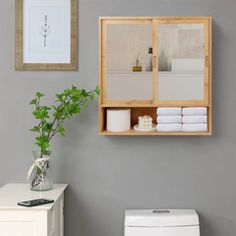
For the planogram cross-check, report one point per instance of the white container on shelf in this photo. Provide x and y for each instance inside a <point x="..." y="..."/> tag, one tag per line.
<point x="118" y="120"/>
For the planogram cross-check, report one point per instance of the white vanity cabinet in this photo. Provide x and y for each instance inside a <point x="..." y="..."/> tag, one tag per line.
<point x="44" y="220"/>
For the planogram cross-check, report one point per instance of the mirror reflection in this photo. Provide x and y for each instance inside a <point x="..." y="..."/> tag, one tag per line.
<point x="129" y="62"/>
<point x="181" y="62"/>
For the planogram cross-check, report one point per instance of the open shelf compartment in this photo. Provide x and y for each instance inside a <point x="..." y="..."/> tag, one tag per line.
<point x="151" y="111"/>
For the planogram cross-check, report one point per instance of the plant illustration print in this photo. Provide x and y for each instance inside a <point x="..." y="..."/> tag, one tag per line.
<point x="46" y="29"/>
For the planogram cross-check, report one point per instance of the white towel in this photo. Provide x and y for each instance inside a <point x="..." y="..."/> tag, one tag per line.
<point x="169" y="111"/>
<point x="194" y="119"/>
<point x="169" y="127"/>
<point x="194" y="127"/>
<point x="169" y="119"/>
<point x="194" y="111"/>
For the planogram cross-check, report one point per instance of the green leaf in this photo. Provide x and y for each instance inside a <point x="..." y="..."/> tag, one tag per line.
<point x="35" y="129"/>
<point x="39" y="94"/>
<point x="61" y="130"/>
<point x="65" y="110"/>
<point x="98" y="90"/>
<point x="92" y="97"/>
<point x="59" y="98"/>
<point x="58" y="115"/>
<point x="73" y="109"/>
<point x="74" y="91"/>
<point x="79" y="91"/>
<point x="77" y="109"/>
<point x="85" y="103"/>
<point x="84" y="93"/>
<point x="74" y="87"/>
<point x="41" y="113"/>
<point x="75" y="98"/>
<point x="33" y="102"/>
<point x="46" y="108"/>
<point x="42" y="142"/>
<point x="66" y="92"/>
<point x="47" y="127"/>
<point x="42" y="138"/>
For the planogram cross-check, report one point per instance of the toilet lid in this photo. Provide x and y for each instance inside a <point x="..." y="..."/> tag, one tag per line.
<point x="161" y="217"/>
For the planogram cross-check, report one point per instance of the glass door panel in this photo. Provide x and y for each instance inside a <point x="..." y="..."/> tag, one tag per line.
<point x="128" y="69"/>
<point x="181" y="59"/>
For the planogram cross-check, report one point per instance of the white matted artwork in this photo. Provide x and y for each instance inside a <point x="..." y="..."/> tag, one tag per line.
<point x="46" y="31"/>
<point x="48" y="34"/>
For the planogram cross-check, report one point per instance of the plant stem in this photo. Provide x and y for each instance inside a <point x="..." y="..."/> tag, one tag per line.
<point x="55" y="130"/>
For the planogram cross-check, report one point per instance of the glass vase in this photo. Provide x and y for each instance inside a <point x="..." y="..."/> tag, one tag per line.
<point x="40" y="173"/>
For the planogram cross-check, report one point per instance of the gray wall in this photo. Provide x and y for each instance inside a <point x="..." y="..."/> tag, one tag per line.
<point x="109" y="174"/>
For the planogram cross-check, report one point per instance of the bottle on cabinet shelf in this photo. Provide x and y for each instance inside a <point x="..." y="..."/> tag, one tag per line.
<point x="149" y="60"/>
<point x="137" y="67"/>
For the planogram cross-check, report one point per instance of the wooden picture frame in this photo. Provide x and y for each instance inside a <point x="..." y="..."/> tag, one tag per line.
<point x="68" y="64"/>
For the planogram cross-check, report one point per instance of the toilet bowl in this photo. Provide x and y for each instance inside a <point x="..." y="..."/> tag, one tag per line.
<point x="162" y="222"/>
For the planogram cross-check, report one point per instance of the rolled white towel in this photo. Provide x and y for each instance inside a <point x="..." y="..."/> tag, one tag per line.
<point x="169" y="127"/>
<point x="194" y="111"/>
<point x="169" y="111"/>
<point x="194" y="127"/>
<point x="169" y="119"/>
<point x="194" y="119"/>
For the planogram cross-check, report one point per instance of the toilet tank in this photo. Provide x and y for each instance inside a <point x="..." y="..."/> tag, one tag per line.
<point x="162" y="222"/>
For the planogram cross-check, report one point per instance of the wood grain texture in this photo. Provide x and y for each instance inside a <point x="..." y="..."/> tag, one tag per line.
<point x="20" y="65"/>
<point x="210" y="124"/>
<point x="155" y="60"/>
<point x="133" y="132"/>
<point x="100" y="109"/>
<point x="173" y="104"/>
<point x="141" y="111"/>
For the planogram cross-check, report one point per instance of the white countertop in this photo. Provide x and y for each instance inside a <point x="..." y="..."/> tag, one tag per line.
<point x="11" y="194"/>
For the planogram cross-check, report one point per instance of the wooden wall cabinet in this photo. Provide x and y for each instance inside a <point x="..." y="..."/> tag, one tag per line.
<point x="180" y="73"/>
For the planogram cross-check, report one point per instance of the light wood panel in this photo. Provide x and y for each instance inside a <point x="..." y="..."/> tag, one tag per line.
<point x="210" y="124"/>
<point x="155" y="61"/>
<point x="175" y="103"/>
<point x="133" y="132"/>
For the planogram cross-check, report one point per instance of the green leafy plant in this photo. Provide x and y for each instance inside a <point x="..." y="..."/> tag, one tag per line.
<point x="50" y="118"/>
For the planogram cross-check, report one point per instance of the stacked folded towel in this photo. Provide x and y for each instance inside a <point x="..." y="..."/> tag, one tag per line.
<point x="169" y="119"/>
<point x="194" y="119"/>
<point x="169" y="111"/>
<point x="182" y="119"/>
<point x="194" y="111"/>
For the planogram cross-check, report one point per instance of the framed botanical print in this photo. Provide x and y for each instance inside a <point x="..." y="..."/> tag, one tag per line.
<point x="46" y="34"/>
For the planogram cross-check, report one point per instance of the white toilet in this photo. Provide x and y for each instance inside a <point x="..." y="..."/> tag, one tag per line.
<point x="160" y="222"/>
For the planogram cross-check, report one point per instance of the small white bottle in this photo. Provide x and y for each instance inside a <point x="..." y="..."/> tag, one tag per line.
<point x="149" y="60"/>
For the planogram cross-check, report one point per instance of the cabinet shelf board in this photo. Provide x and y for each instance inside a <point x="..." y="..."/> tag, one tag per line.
<point x="133" y="132"/>
<point x="116" y="105"/>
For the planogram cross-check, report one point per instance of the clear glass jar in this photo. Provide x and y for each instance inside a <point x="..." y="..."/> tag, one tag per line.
<point x="41" y="172"/>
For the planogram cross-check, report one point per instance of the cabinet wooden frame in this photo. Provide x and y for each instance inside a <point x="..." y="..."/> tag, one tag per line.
<point x="19" y="63"/>
<point x="104" y="103"/>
